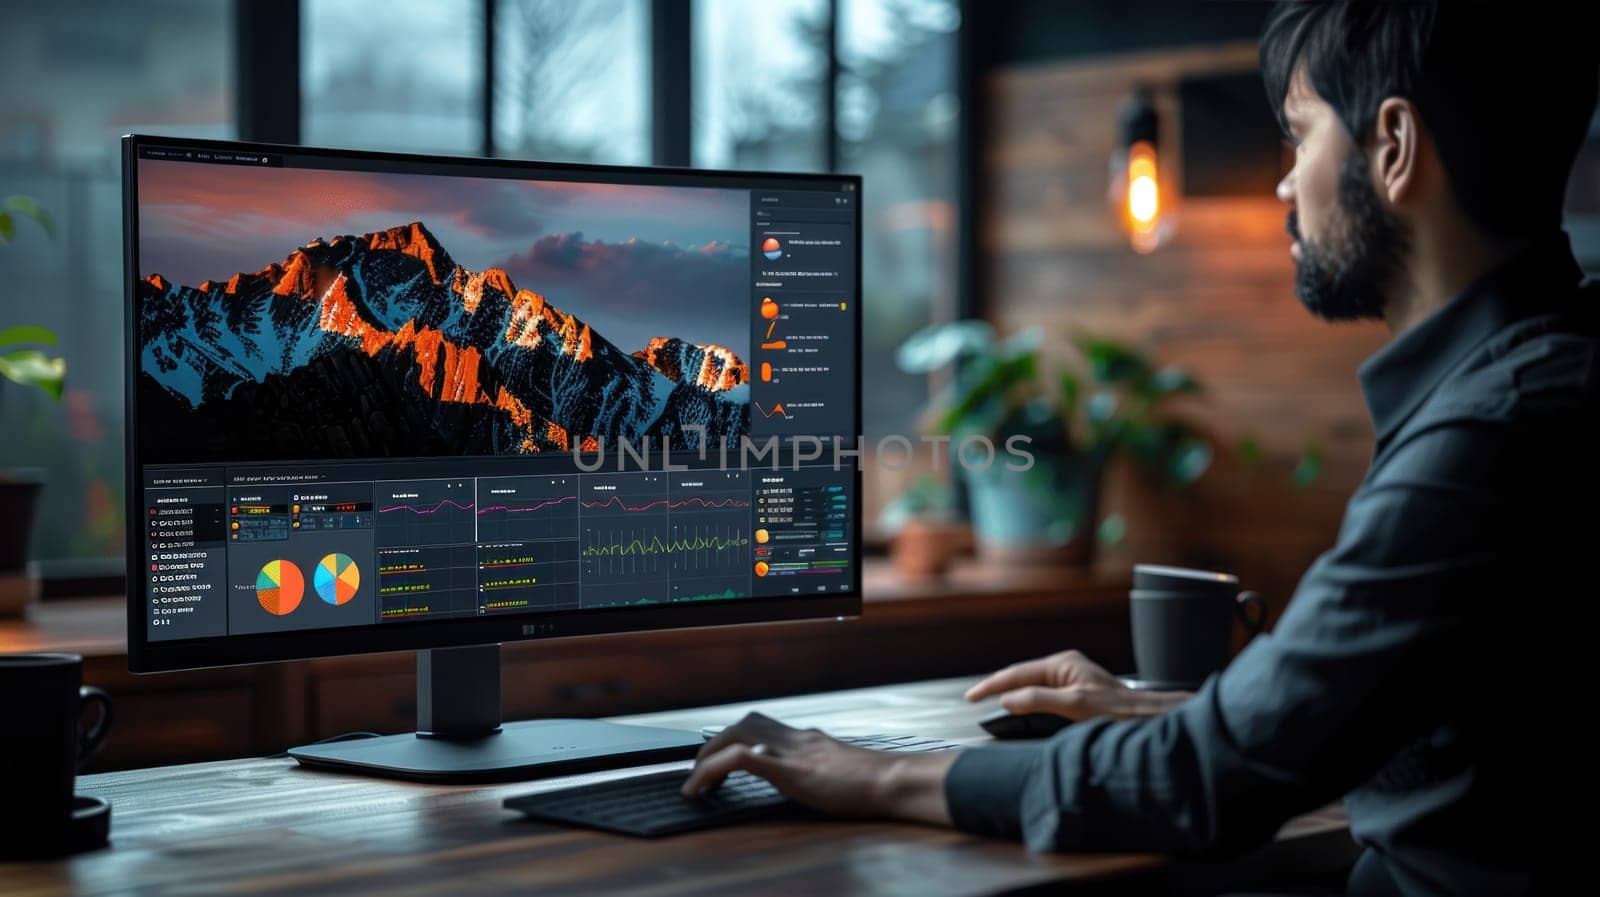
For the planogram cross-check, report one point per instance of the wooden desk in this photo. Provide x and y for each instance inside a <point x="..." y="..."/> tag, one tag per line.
<point x="268" y="827"/>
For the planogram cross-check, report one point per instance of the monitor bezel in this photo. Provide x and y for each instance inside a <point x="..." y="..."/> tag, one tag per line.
<point x="152" y="656"/>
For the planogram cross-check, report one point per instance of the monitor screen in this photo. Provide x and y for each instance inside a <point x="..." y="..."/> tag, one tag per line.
<point x="383" y="402"/>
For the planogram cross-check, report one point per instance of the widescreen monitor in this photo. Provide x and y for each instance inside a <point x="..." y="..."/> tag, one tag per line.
<point x="385" y="402"/>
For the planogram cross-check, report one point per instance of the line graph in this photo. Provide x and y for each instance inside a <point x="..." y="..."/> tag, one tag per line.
<point x="662" y="504"/>
<point x="425" y="512"/>
<point x="624" y="530"/>
<point x="512" y="509"/>
<point x="710" y="535"/>
<point x="696" y="543"/>
<point x="616" y="502"/>
<point x="614" y="554"/>
<point x="527" y="508"/>
<point x="777" y="411"/>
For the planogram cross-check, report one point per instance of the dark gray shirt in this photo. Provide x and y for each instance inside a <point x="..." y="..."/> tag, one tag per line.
<point x="1428" y="668"/>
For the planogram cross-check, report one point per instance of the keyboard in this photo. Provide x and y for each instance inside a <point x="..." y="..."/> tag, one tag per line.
<point x="651" y="806"/>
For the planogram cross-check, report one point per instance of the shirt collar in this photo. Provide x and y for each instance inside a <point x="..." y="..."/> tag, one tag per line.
<point x="1398" y="377"/>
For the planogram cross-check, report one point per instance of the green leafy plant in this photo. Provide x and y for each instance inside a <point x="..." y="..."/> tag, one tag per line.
<point x="1307" y="470"/>
<point x="1111" y="400"/>
<point x="21" y="362"/>
<point x="1114" y="400"/>
<point x="1309" y="467"/>
<point x="927" y="497"/>
<point x="26" y="207"/>
<point x="1249" y="451"/>
<point x="21" y="358"/>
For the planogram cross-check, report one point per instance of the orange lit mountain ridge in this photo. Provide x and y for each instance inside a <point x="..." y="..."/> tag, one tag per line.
<point x="480" y="342"/>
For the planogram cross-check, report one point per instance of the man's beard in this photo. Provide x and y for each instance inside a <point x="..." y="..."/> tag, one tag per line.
<point x="1344" y="277"/>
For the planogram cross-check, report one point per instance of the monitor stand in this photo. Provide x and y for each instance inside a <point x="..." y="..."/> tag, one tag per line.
<point x="460" y="737"/>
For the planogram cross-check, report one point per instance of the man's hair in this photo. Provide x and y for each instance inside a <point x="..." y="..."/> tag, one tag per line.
<point x="1505" y="91"/>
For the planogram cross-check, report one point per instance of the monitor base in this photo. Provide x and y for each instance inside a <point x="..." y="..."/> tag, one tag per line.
<point x="524" y="750"/>
<point x="460" y="737"/>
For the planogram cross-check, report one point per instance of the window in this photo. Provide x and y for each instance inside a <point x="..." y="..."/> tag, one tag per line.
<point x="760" y="81"/>
<point x="571" y="81"/>
<point x="406" y="75"/>
<point x="897" y="128"/>
<point x="70" y="84"/>
<point x="760" y="75"/>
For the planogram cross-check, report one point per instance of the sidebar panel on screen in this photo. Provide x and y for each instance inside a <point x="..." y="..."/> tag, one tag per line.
<point x="186" y="544"/>
<point x="803" y="526"/>
<point x="803" y="338"/>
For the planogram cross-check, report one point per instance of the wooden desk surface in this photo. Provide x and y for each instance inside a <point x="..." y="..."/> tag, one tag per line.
<point x="265" y="826"/>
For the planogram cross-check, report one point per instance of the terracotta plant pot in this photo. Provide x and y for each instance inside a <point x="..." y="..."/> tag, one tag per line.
<point x="1045" y="516"/>
<point x="19" y="496"/>
<point x="925" y="546"/>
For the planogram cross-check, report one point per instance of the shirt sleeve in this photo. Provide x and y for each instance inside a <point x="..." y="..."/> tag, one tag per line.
<point x="1299" y="718"/>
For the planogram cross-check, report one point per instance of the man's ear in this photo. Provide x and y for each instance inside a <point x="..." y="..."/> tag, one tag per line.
<point x="1397" y="150"/>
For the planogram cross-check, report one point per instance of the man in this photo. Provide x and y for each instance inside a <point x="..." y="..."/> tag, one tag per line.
<point x="1425" y="669"/>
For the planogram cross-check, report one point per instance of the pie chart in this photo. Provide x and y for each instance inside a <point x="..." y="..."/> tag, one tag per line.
<point x="279" y="586"/>
<point x="337" y="579"/>
<point x="772" y="249"/>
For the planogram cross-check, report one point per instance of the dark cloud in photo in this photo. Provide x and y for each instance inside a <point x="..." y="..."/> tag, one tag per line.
<point x="634" y="290"/>
<point x="200" y="221"/>
<point x="634" y="261"/>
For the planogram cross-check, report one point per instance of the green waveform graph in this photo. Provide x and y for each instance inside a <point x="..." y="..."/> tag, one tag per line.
<point x="711" y="596"/>
<point x="656" y="545"/>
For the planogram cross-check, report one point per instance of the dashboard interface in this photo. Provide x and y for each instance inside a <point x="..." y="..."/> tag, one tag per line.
<point x="368" y="391"/>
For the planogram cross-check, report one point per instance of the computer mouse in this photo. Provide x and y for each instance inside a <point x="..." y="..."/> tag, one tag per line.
<point x="1005" y="724"/>
<point x="710" y="732"/>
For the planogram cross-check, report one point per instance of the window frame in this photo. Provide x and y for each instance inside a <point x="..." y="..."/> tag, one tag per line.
<point x="267" y="55"/>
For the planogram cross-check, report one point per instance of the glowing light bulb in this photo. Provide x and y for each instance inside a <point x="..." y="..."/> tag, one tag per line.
<point x="1143" y="201"/>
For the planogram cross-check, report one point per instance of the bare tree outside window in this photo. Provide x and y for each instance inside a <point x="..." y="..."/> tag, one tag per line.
<point x="571" y="81"/>
<point x="408" y="78"/>
<point x="897" y="116"/>
<point x="759" y="75"/>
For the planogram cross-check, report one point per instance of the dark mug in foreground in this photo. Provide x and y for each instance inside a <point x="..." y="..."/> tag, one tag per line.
<point x="42" y="741"/>
<point x="1184" y="632"/>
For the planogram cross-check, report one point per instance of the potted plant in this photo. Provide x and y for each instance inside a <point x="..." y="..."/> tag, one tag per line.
<point x="22" y="361"/>
<point x="1071" y="424"/>
<point x="926" y="532"/>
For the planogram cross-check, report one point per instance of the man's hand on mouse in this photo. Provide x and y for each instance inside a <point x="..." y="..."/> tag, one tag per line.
<point x="826" y="774"/>
<point x="1071" y="685"/>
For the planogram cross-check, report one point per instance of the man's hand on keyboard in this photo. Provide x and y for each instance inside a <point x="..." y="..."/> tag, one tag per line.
<point x="826" y="774"/>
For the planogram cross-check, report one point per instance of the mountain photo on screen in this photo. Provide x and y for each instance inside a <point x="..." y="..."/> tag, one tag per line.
<point x="294" y="313"/>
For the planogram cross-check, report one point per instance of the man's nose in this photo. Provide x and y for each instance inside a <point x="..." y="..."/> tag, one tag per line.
<point x="1286" y="188"/>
